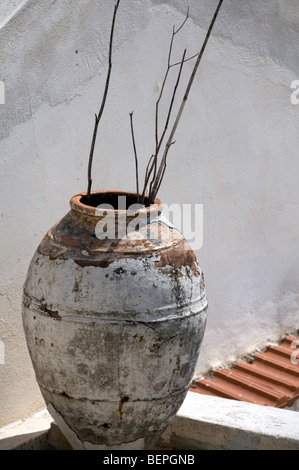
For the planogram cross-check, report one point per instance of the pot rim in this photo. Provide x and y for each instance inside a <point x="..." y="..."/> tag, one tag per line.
<point x="76" y="204"/>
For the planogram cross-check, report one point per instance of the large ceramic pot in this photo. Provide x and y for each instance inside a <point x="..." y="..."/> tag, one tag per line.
<point x="113" y="322"/>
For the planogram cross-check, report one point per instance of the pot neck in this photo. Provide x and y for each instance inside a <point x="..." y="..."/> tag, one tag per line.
<point x="118" y="204"/>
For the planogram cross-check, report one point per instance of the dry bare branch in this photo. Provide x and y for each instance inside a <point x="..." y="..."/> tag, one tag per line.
<point x="159" y="141"/>
<point x="161" y="170"/>
<point x="99" y="115"/>
<point x="167" y="120"/>
<point x="148" y="172"/>
<point x="135" y="154"/>
<point x="169" y="66"/>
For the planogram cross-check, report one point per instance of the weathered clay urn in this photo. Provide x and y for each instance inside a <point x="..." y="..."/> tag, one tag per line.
<point x="113" y="322"/>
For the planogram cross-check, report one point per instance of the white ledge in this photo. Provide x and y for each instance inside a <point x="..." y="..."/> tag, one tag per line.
<point x="212" y="423"/>
<point x="29" y="433"/>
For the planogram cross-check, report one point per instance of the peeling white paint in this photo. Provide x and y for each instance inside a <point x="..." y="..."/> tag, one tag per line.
<point x="75" y="442"/>
<point x="114" y="344"/>
<point x="112" y="297"/>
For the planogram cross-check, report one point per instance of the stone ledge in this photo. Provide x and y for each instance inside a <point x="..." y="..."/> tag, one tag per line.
<point x="27" y="434"/>
<point x="202" y="423"/>
<point x="213" y="423"/>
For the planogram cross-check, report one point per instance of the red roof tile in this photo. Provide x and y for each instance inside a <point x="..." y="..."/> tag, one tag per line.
<point x="271" y="379"/>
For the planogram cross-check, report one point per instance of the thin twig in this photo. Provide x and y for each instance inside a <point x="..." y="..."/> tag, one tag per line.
<point x="183" y="24"/>
<point x="186" y="60"/>
<point x="164" y="168"/>
<point x="172" y="101"/>
<point x="161" y="170"/>
<point x="148" y="172"/>
<point x="169" y="66"/>
<point x="99" y="115"/>
<point x="135" y="154"/>
<point x="167" y="119"/>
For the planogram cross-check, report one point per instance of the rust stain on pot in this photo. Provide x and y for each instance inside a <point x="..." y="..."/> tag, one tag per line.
<point x="99" y="263"/>
<point x="49" y="313"/>
<point x="75" y="237"/>
<point x="103" y="260"/>
<point x="53" y="314"/>
<point x="180" y="256"/>
<point x="121" y="405"/>
<point x="141" y="338"/>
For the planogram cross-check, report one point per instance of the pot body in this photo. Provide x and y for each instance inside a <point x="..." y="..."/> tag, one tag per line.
<point x="113" y="328"/>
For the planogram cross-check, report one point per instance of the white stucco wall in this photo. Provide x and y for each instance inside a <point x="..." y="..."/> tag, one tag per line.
<point x="236" y="152"/>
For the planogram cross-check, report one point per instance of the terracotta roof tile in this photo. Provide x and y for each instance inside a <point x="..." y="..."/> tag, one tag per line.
<point x="271" y="379"/>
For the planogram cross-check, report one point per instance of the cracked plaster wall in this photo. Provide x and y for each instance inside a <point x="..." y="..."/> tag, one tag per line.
<point x="236" y="152"/>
